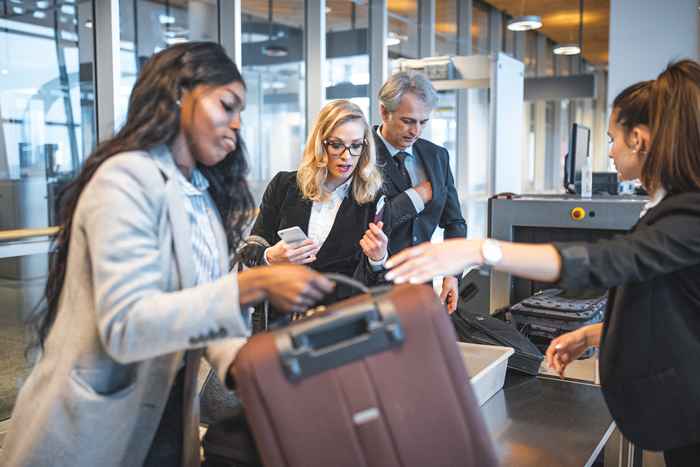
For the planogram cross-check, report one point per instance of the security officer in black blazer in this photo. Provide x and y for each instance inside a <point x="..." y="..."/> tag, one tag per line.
<point x="417" y="177"/>
<point x="650" y="338"/>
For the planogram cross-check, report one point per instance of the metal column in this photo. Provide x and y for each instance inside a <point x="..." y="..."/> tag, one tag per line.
<point x="426" y="28"/>
<point x="464" y="47"/>
<point x="230" y="30"/>
<point x="106" y="37"/>
<point x="378" y="54"/>
<point x="315" y="57"/>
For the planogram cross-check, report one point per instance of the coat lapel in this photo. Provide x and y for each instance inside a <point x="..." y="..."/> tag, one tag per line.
<point x="386" y="162"/>
<point x="182" y="243"/>
<point x="299" y="209"/>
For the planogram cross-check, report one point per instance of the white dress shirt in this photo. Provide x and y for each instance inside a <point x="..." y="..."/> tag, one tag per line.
<point x="323" y="213"/>
<point x="653" y="201"/>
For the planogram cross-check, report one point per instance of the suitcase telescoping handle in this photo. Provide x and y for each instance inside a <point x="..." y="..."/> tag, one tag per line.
<point x="338" y="337"/>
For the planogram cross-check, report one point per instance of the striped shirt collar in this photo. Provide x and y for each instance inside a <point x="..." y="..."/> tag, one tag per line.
<point x="196" y="185"/>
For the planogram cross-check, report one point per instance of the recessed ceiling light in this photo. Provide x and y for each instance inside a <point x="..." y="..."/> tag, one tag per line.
<point x="525" y="23"/>
<point x="39" y="14"/>
<point x="567" y="49"/>
<point x="88" y="24"/>
<point x="17" y="10"/>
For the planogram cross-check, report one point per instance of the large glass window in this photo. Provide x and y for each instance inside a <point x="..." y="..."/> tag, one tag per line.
<point x="274" y="124"/>
<point x="403" y="29"/>
<point x="46" y="106"/>
<point x="47" y="128"/>
<point x="480" y="28"/>
<point x="446" y="27"/>
<point x="347" y="51"/>
<point x="149" y="26"/>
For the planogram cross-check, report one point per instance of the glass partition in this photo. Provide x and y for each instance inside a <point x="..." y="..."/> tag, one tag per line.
<point x="47" y="115"/>
<point x="149" y="26"/>
<point x="46" y="106"/>
<point x="347" y="51"/>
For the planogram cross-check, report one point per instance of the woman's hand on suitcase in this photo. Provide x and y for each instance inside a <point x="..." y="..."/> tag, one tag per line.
<point x="421" y="263"/>
<point x="298" y="253"/>
<point x="288" y="287"/>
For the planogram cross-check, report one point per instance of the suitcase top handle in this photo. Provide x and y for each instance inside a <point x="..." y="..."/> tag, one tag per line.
<point x="338" y="337"/>
<point x="335" y="277"/>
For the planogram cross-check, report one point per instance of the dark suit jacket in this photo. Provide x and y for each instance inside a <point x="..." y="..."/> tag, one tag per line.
<point x="404" y="226"/>
<point x="649" y="353"/>
<point x="284" y="206"/>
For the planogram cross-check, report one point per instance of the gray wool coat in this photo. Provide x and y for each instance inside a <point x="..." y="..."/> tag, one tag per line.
<point x="128" y="316"/>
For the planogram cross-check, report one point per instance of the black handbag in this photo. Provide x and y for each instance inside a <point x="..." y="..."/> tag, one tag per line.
<point x="485" y="329"/>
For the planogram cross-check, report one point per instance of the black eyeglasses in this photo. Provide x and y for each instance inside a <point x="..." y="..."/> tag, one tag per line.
<point x="336" y="148"/>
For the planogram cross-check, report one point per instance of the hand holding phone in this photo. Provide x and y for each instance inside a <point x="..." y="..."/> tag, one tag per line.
<point x="292" y="235"/>
<point x="294" y="247"/>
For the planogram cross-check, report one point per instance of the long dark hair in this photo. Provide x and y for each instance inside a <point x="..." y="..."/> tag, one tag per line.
<point x="153" y="119"/>
<point x="674" y="149"/>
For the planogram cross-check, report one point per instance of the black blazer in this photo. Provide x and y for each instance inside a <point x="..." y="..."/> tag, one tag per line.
<point x="649" y="369"/>
<point x="284" y="206"/>
<point x="404" y="226"/>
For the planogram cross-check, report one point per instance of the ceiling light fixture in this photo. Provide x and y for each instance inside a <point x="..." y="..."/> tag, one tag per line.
<point x="272" y="50"/>
<point x="393" y="39"/>
<point x="573" y="48"/>
<point x="525" y="23"/>
<point x="567" y="49"/>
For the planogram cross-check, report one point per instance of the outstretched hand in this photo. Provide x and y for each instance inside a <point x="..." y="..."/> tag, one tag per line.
<point x="423" y="262"/>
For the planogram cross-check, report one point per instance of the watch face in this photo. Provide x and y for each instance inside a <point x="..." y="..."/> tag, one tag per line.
<point x="492" y="252"/>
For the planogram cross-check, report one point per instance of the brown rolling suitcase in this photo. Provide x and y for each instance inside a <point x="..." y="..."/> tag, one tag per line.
<point x="376" y="381"/>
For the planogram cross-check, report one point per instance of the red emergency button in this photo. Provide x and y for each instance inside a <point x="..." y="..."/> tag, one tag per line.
<point x="578" y="214"/>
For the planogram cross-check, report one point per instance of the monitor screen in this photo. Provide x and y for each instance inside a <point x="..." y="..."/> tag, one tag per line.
<point x="578" y="152"/>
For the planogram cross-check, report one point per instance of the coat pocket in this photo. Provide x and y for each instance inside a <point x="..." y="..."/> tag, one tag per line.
<point x="104" y="383"/>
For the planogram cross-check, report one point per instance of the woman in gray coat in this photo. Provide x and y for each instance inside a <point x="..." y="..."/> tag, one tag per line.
<point x="139" y="288"/>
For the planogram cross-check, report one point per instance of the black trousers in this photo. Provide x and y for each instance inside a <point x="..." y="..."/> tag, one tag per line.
<point x="166" y="449"/>
<point x="684" y="456"/>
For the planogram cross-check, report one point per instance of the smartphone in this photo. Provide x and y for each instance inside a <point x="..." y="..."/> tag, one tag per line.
<point x="379" y="212"/>
<point x="292" y="235"/>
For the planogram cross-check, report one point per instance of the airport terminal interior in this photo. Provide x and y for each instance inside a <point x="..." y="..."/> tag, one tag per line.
<point x="525" y="90"/>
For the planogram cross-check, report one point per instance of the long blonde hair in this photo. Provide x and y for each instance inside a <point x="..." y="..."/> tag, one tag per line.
<point x="313" y="170"/>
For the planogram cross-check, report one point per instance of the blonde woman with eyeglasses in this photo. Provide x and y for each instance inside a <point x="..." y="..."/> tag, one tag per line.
<point x="332" y="197"/>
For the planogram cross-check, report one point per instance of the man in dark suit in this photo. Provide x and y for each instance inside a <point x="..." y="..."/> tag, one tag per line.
<point x="418" y="181"/>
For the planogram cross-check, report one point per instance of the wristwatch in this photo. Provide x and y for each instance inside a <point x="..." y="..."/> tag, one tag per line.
<point x="491" y="252"/>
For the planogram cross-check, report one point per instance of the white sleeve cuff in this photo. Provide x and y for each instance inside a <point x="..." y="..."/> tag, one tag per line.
<point x="378" y="265"/>
<point x="415" y="199"/>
